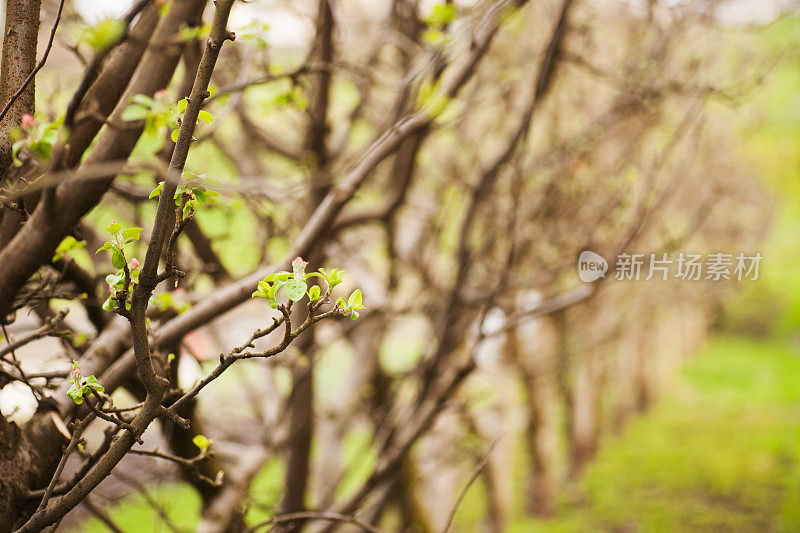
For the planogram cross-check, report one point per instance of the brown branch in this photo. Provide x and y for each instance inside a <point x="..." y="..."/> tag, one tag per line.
<point x="477" y="472"/>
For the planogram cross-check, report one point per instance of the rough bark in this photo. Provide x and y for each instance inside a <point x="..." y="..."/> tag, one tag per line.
<point x="18" y="61"/>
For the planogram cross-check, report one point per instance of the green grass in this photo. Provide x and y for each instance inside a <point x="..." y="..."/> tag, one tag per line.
<point x="721" y="452"/>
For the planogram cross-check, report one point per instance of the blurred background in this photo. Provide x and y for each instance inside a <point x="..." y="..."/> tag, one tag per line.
<point x="664" y="127"/>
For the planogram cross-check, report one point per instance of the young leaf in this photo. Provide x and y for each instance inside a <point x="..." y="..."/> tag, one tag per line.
<point x="354" y="302"/>
<point x="109" y="304"/>
<point x="143" y="100"/>
<point x="155" y="192"/>
<point x="135" y="112"/>
<point x="314" y="293"/>
<point x="76" y="394"/>
<point x="117" y="258"/>
<point x="295" y="289"/>
<point x="131" y="234"/>
<point x="91" y="382"/>
<point x="205" y="116"/>
<point x="113" y="228"/>
<point x="116" y="279"/>
<point x="202" y="442"/>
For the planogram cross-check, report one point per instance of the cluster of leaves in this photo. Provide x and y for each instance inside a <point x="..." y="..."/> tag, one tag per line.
<point x="158" y="112"/>
<point x="120" y="283"/>
<point x="82" y="386"/>
<point x="441" y="15"/>
<point x="432" y="98"/>
<point x="104" y="34"/>
<point x="351" y="306"/>
<point x="66" y="246"/>
<point x="190" y="33"/>
<point x="295" y="285"/>
<point x="36" y="139"/>
<point x="293" y="97"/>
<point x="254" y="33"/>
<point x="191" y="194"/>
<point x="175" y="301"/>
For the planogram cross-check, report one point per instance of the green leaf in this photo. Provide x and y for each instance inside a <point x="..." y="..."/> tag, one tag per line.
<point x="116" y="280"/>
<point x="174" y="135"/>
<point x="296" y="289"/>
<point x="91" y="382"/>
<point x="354" y="302"/>
<point x="105" y="34"/>
<point x="106" y="246"/>
<point x="143" y="100"/>
<point x="113" y="228"/>
<point x="164" y="300"/>
<point x="202" y="442"/>
<point x="314" y="293"/>
<point x="341" y="302"/>
<point x="131" y="234"/>
<point x="76" y="394"/>
<point x="336" y="277"/>
<point x="16" y="148"/>
<point x="278" y="276"/>
<point x="157" y="191"/>
<point x="205" y="116"/>
<point x="354" y="315"/>
<point x="109" y="304"/>
<point x="67" y="245"/>
<point x="441" y="14"/>
<point x="135" y="112"/>
<point x="182" y="104"/>
<point x="117" y="257"/>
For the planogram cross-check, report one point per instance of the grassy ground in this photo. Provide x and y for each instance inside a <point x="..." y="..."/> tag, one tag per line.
<point x="720" y="453"/>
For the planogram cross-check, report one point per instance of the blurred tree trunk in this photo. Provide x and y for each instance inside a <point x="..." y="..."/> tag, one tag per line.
<point x="541" y="432"/>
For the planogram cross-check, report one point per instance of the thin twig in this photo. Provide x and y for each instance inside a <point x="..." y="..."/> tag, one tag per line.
<point x="473" y="477"/>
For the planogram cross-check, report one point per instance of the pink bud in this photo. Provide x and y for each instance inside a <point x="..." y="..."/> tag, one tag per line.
<point x="299" y="261"/>
<point x="161" y="96"/>
<point x="110" y="288"/>
<point x="134" y="263"/>
<point x="76" y="374"/>
<point x="28" y="120"/>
